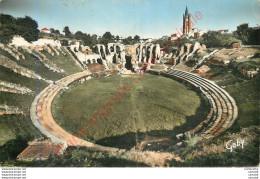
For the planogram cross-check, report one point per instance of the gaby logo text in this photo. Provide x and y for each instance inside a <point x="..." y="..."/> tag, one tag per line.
<point x="231" y="145"/>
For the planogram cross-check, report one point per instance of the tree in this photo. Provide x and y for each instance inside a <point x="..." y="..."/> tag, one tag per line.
<point x="27" y="28"/>
<point x="67" y="32"/>
<point x="7" y="29"/>
<point x="136" y="38"/>
<point x="7" y="19"/>
<point x="117" y="38"/>
<point x="24" y="26"/>
<point x="79" y="35"/>
<point x="57" y="32"/>
<point x="94" y="39"/>
<point x="87" y="41"/>
<point x="216" y="39"/>
<point x="52" y="30"/>
<point x="106" y="38"/>
<point x="247" y="34"/>
<point x="242" y="32"/>
<point x="128" y="40"/>
<point x="27" y="22"/>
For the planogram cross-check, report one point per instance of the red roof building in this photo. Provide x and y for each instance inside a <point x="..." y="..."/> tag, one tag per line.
<point x="45" y="30"/>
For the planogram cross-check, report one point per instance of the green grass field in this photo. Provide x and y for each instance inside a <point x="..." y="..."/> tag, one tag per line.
<point x="154" y="106"/>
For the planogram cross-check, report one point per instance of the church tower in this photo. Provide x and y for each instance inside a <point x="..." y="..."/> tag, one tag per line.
<point x="186" y="22"/>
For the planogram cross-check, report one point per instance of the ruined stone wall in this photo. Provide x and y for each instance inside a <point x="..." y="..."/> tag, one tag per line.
<point x="131" y="50"/>
<point x="112" y="55"/>
<point x="9" y="50"/>
<point x="184" y="53"/>
<point x="4" y="109"/>
<point x="5" y="62"/>
<point x="142" y="53"/>
<point x="13" y="88"/>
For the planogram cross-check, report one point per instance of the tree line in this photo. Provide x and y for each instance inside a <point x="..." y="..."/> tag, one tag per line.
<point x="243" y="34"/>
<point x="23" y="26"/>
<point x="212" y="39"/>
<point x="91" y="40"/>
<point x="27" y="28"/>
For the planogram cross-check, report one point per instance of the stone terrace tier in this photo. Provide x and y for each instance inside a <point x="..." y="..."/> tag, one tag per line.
<point x="223" y="111"/>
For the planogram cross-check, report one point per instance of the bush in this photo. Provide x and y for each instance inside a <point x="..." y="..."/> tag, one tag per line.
<point x="25" y="27"/>
<point x="216" y="39"/>
<point x="12" y="148"/>
<point x="190" y="144"/>
<point x="247" y="34"/>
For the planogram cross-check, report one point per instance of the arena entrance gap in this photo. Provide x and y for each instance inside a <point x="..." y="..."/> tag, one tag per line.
<point x="128" y="64"/>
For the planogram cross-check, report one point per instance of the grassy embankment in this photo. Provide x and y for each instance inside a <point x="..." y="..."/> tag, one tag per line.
<point x="64" y="61"/>
<point x="17" y="130"/>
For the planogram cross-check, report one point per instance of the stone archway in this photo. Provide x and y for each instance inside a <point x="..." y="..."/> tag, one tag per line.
<point x="111" y="49"/>
<point x="102" y="52"/>
<point x="143" y="54"/>
<point x="153" y="58"/>
<point x="99" y="61"/>
<point x="128" y="64"/>
<point x="114" y="58"/>
<point x="118" y="49"/>
<point x="148" y="54"/>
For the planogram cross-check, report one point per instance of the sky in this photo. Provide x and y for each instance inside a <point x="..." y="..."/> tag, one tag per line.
<point x="146" y="18"/>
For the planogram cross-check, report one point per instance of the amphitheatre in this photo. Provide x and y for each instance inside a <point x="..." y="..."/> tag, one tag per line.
<point x="110" y="66"/>
<point x="116" y="84"/>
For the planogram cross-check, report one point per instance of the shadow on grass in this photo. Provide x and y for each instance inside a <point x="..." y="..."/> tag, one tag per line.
<point x="131" y="139"/>
<point x="12" y="148"/>
<point x="192" y="121"/>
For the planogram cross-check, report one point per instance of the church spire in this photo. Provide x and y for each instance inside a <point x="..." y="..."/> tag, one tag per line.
<point x="186" y="12"/>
